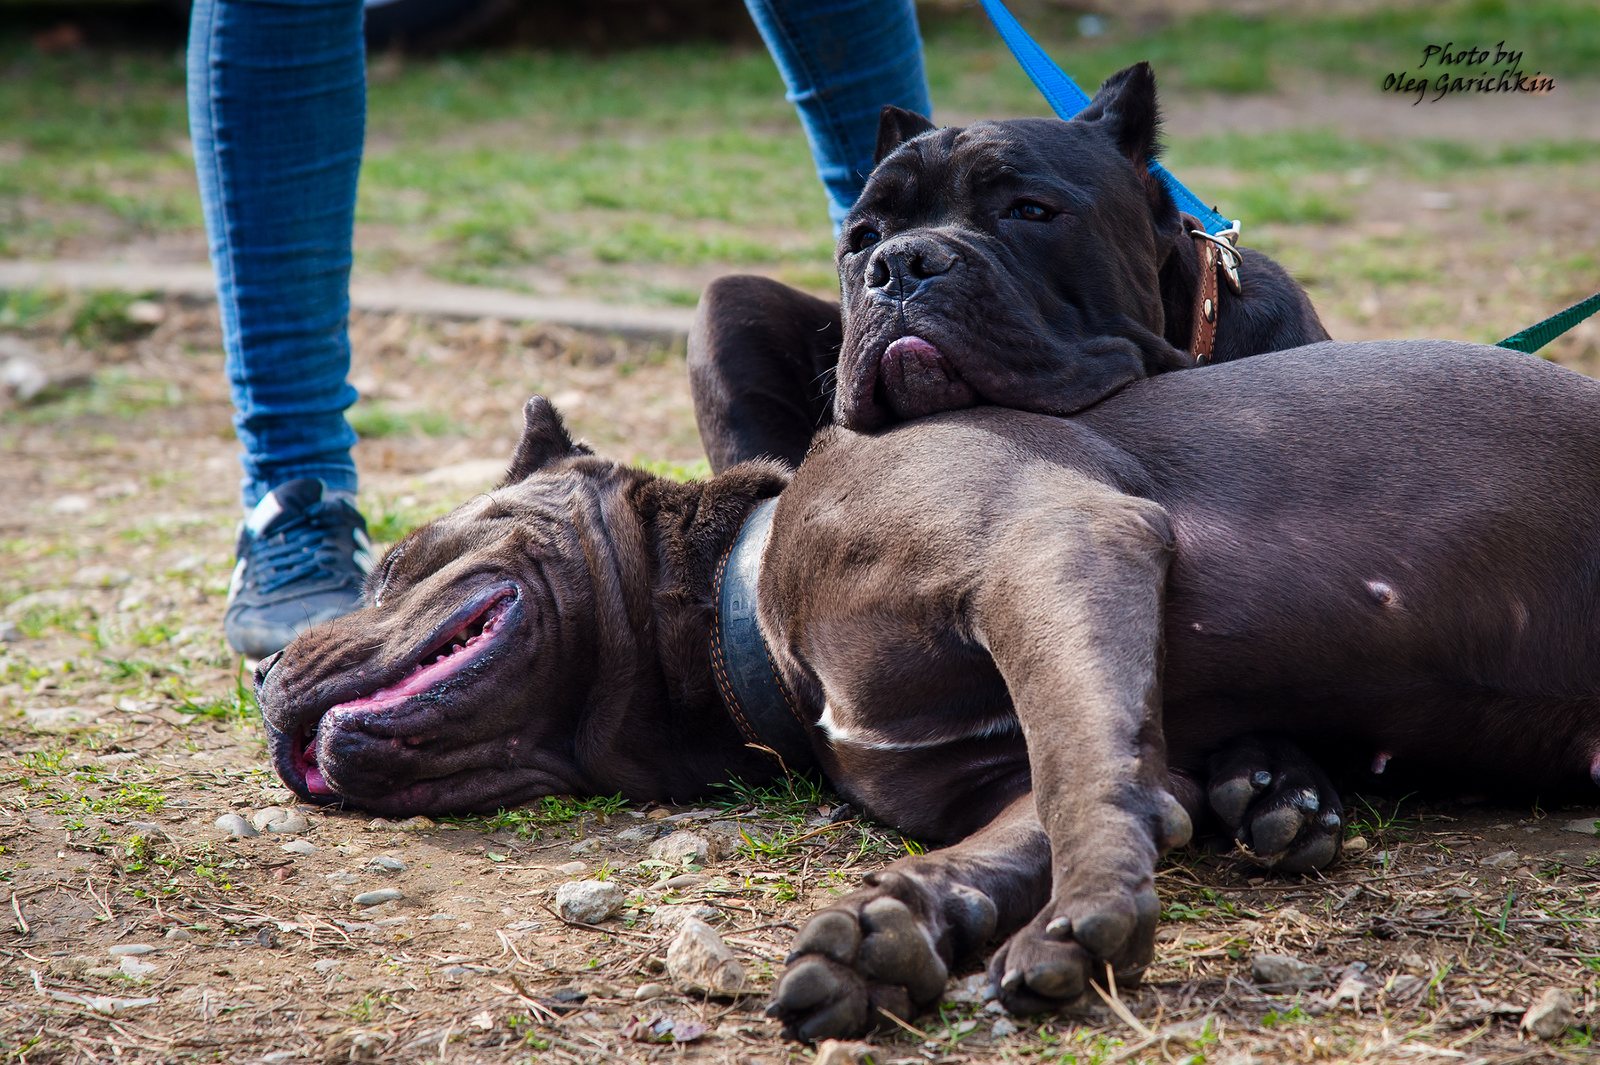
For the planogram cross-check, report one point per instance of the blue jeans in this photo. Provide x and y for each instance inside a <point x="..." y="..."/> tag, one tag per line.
<point x="277" y="113"/>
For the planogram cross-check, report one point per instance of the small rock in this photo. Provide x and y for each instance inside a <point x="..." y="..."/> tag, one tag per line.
<point x="267" y="937"/>
<point x="131" y="950"/>
<point x="341" y="877"/>
<point x="417" y="824"/>
<point x="635" y="834"/>
<point x="1414" y="962"/>
<point x="699" y="961"/>
<point x="387" y="863"/>
<point x="966" y="992"/>
<point x="145" y="312"/>
<point x="325" y="965"/>
<point x="9" y="633"/>
<point x="681" y="883"/>
<point x="524" y="926"/>
<point x="1503" y="858"/>
<point x="135" y="969"/>
<point x="278" y="819"/>
<point x="572" y="869"/>
<point x="681" y="847"/>
<point x="21" y="375"/>
<point x="1588" y="826"/>
<point x="237" y="826"/>
<point x="71" y="504"/>
<point x="833" y="1052"/>
<point x="585" y="846"/>
<point x="1550" y="1014"/>
<point x="646" y="992"/>
<point x="1282" y="971"/>
<point x="382" y="824"/>
<point x="588" y="901"/>
<point x="670" y="917"/>
<point x="382" y="895"/>
<point x="994" y="1005"/>
<point x="300" y="847"/>
<point x="1355" y="845"/>
<point x="1003" y="1028"/>
<point x="658" y="813"/>
<point x="180" y="935"/>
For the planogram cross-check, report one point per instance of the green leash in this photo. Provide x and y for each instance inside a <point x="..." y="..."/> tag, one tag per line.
<point x="1537" y="336"/>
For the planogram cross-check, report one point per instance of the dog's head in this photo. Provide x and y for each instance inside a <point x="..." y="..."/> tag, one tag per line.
<point x="1012" y="263"/>
<point x="528" y="643"/>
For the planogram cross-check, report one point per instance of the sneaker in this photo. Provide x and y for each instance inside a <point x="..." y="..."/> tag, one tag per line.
<point x="303" y="556"/>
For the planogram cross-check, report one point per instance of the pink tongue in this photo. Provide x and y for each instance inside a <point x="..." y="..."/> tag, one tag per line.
<point x="912" y="346"/>
<point x="315" y="784"/>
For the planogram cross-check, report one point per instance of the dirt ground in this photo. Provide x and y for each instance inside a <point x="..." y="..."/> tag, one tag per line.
<point x="126" y="735"/>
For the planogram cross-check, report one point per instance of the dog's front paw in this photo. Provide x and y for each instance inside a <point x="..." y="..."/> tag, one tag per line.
<point x="1050" y="962"/>
<point x="1277" y="802"/>
<point x="885" y="949"/>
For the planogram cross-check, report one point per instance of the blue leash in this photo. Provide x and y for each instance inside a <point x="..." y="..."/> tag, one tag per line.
<point x="1066" y="100"/>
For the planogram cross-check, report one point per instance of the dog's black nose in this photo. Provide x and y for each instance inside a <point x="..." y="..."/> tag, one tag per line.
<point x="264" y="667"/>
<point x="907" y="264"/>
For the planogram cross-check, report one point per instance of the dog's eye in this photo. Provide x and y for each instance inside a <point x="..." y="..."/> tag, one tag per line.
<point x="1028" y="212"/>
<point x="867" y="238"/>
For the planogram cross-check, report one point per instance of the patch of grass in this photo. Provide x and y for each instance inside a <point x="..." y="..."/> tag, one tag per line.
<point x="795" y="797"/>
<point x="1281" y="200"/>
<point x="21" y="308"/>
<point x="377" y="419"/>
<point x="102" y="317"/>
<point x="675" y="469"/>
<point x="551" y="811"/>
<point x="112" y="394"/>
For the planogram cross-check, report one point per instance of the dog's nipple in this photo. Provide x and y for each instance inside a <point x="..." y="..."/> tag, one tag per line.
<point x="1382" y="594"/>
<point x="1380" y="762"/>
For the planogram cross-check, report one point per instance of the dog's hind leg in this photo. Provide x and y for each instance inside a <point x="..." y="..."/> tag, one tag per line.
<point x="890" y="946"/>
<point x="761" y="368"/>
<point x="1277" y="802"/>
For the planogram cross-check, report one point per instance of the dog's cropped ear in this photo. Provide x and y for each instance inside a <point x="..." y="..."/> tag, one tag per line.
<point x="544" y="440"/>
<point x="896" y="125"/>
<point x="1126" y="104"/>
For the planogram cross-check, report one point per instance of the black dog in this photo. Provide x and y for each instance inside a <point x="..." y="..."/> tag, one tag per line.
<point x="1033" y="264"/>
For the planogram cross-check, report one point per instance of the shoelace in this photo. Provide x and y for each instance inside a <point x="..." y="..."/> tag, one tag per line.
<point x="299" y="548"/>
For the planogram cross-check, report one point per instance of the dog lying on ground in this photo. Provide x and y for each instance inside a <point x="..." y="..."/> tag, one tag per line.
<point x="1033" y="264"/>
<point x="1046" y="641"/>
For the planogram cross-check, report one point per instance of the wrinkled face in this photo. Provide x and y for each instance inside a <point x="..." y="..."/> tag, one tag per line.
<point x="978" y="260"/>
<point x="459" y="687"/>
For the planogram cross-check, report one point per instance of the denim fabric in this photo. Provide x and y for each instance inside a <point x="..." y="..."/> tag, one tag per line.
<point x="842" y="60"/>
<point x="277" y="114"/>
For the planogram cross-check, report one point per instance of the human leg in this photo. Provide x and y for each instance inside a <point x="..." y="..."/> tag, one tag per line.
<point x="841" y="61"/>
<point x="277" y="101"/>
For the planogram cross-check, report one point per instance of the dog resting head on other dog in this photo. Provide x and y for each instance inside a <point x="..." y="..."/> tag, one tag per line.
<point x="549" y="637"/>
<point x="1034" y="264"/>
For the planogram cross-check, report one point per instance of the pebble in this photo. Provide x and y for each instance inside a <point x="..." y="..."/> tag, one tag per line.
<point x="1550" y="1015"/>
<point x="1589" y="826"/>
<point x="588" y="901"/>
<point x="234" y="825"/>
<point x="1282" y="971"/>
<point x="181" y="935"/>
<point x="341" y="877"/>
<point x="325" y="965"/>
<point x="833" y="1052"/>
<point x="373" y="898"/>
<point x="572" y="868"/>
<point x="387" y="864"/>
<point x="699" y="961"/>
<point x="585" y="846"/>
<point x="135" y="969"/>
<point x="1355" y="845"/>
<point x="1003" y="1028"/>
<point x="1503" y="858"/>
<point x="300" y="847"/>
<point x="681" y="847"/>
<point x="278" y="819"/>
<point x="994" y="1005"/>
<point x="681" y="883"/>
<point x="524" y="926"/>
<point x="635" y="834"/>
<point x="646" y="992"/>
<point x="670" y="917"/>
<point x="131" y="950"/>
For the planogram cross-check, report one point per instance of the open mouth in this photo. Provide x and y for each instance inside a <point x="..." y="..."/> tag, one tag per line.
<point x="444" y="658"/>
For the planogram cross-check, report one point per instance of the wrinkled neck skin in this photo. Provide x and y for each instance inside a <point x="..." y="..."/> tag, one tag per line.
<point x="551" y="637"/>
<point x="654" y="725"/>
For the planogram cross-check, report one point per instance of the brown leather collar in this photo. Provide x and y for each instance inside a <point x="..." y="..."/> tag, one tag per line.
<point x="1215" y="254"/>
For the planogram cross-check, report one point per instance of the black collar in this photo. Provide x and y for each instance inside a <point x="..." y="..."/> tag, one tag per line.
<point x="760" y="703"/>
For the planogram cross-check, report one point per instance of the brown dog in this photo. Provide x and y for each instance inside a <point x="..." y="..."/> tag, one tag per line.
<point x="1001" y="630"/>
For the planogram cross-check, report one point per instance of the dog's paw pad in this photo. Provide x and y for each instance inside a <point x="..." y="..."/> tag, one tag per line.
<point x="1277" y="802"/>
